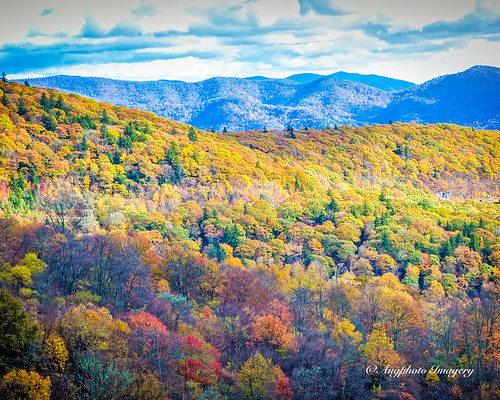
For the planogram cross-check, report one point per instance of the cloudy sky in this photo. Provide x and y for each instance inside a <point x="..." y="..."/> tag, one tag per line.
<point x="192" y="40"/>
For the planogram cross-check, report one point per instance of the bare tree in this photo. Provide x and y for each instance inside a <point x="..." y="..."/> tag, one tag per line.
<point x="65" y="210"/>
<point x="68" y="262"/>
<point x="115" y="268"/>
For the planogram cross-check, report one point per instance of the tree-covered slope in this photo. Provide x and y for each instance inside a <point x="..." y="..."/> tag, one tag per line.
<point x="68" y="136"/>
<point x="143" y="258"/>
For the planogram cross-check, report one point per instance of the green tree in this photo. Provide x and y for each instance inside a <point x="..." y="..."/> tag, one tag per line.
<point x="21" y="108"/>
<point x="49" y="122"/>
<point x="5" y="100"/>
<point x="17" y="329"/>
<point x="97" y="379"/>
<point x="333" y="206"/>
<point x="4" y="77"/>
<point x="44" y="102"/>
<point x="84" y="146"/>
<point x="475" y="242"/>
<point x="192" y="134"/>
<point x="445" y="250"/>
<point x="386" y="241"/>
<point x="105" y="118"/>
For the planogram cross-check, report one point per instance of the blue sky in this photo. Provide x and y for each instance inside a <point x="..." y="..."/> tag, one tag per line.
<point x="196" y="39"/>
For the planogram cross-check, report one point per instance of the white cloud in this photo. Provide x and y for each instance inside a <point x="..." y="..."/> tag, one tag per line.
<point x="414" y="13"/>
<point x="252" y="37"/>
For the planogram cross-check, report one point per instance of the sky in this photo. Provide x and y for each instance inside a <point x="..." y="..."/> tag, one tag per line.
<point x="192" y="40"/>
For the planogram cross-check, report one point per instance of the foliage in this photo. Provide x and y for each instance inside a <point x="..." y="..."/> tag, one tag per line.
<point x="91" y="328"/>
<point x="56" y="352"/>
<point x="257" y="377"/>
<point x="97" y="379"/>
<point x="17" y="328"/>
<point x="19" y="384"/>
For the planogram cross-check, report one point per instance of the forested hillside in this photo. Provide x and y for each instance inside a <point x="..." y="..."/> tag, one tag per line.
<point x="141" y="258"/>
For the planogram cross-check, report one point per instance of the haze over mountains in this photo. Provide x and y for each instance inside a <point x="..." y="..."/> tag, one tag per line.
<point x="469" y="98"/>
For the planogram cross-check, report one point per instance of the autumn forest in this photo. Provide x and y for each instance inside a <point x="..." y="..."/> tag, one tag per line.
<point x="141" y="258"/>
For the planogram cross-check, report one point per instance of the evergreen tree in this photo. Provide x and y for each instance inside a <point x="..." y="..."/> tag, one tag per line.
<point x="192" y="134"/>
<point x="173" y="159"/>
<point x="386" y="241"/>
<point x="306" y="255"/>
<point x="384" y="218"/>
<point x="100" y="379"/>
<point x="105" y="118"/>
<point x="173" y="153"/>
<point x="117" y="157"/>
<point x="44" y="102"/>
<point x="104" y="131"/>
<point x="220" y="252"/>
<point x="26" y="83"/>
<point x="445" y="249"/>
<point x="366" y="209"/>
<point x="231" y="236"/>
<point x="49" y="122"/>
<point x="475" y="242"/>
<point x="34" y="177"/>
<point x="21" y="109"/>
<point x="482" y="225"/>
<point x="84" y="146"/>
<point x="4" y="77"/>
<point x="5" y="100"/>
<point x="124" y="142"/>
<point x="131" y="132"/>
<point x="333" y="206"/>
<point x="60" y="104"/>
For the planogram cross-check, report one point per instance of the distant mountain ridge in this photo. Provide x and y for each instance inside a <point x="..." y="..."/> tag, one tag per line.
<point x="376" y="81"/>
<point x="467" y="98"/>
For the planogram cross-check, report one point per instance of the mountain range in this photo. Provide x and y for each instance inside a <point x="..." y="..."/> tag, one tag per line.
<point x="469" y="98"/>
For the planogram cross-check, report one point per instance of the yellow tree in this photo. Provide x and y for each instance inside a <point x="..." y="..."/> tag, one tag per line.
<point x="379" y="349"/>
<point x="257" y="377"/>
<point x="56" y="352"/>
<point x="385" y="263"/>
<point x="91" y="328"/>
<point x="19" y="384"/>
<point x="345" y="335"/>
<point x="347" y="338"/>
